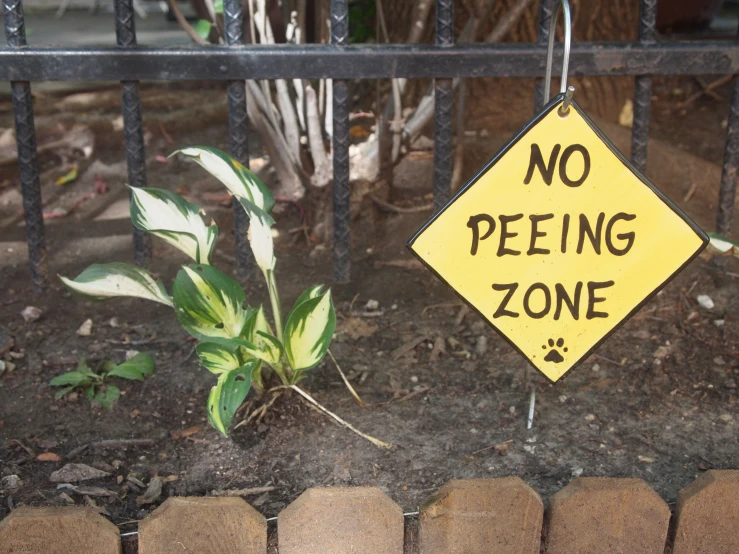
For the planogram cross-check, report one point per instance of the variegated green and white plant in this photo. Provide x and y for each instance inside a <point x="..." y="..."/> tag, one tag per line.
<point x="237" y="341"/>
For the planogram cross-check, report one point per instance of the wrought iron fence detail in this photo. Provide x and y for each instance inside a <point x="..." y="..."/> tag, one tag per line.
<point x="643" y="89"/>
<point x="340" y="150"/>
<point x="238" y="137"/>
<point x="443" y="104"/>
<point x="25" y="134"/>
<point x="133" y="126"/>
<point x="727" y="190"/>
<point x="542" y="36"/>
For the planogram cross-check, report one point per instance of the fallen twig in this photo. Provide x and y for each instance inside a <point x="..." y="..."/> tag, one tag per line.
<point x="397" y="209"/>
<point x="243" y="492"/>
<point x="346" y="381"/>
<point x="116" y="443"/>
<point x="309" y="398"/>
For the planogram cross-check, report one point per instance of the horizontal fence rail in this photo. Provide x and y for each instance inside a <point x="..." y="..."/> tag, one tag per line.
<point x="363" y="62"/>
<point x="233" y="63"/>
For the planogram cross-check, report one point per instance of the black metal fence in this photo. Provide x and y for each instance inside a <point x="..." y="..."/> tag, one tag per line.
<point x="129" y="63"/>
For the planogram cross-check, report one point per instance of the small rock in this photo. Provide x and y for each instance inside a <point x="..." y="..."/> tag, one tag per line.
<point x="481" y="345"/>
<point x="153" y="492"/>
<point x="718" y="322"/>
<point x="85" y="329"/>
<point x="372" y="305"/>
<point x="31" y="314"/>
<point x="6" y="343"/>
<point x="596" y="367"/>
<point x="726" y="418"/>
<point x="662" y="352"/>
<point x="577" y="472"/>
<point x="705" y="301"/>
<point x="114" y="322"/>
<point x="718" y="360"/>
<point x="562" y="398"/>
<point x="590" y="417"/>
<point x="11" y="482"/>
<point x="646" y="459"/>
<point x="131" y="353"/>
<point x="10" y="366"/>
<point x="3" y="366"/>
<point x="72" y="397"/>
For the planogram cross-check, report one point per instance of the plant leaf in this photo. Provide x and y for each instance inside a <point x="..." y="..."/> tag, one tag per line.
<point x="208" y="303"/>
<point x="63" y="391"/>
<point x="170" y="217"/>
<point x="202" y="27"/>
<point x="239" y="180"/>
<point x="260" y="235"/>
<point x="258" y="332"/>
<point x="310" y="292"/>
<point x="218" y="357"/>
<point x="309" y="330"/>
<point x="102" y="281"/>
<point x="74" y="378"/>
<point x="218" y="6"/>
<point x="722" y="246"/>
<point x="136" y="368"/>
<point x="68" y="177"/>
<point x="228" y="394"/>
<point x="107" y="397"/>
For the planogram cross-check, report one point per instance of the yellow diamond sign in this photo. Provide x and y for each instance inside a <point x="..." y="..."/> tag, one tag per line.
<point x="558" y="240"/>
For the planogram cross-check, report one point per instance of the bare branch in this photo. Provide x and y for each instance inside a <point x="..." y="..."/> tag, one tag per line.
<point x="322" y="173"/>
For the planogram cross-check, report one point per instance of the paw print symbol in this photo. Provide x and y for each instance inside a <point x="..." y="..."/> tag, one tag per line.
<point x="553" y="355"/>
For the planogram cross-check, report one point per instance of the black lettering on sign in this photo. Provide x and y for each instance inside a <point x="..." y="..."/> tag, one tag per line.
<point x="535" y="233"/>
<point x="628" y="237"/>
<point x="505" y="234"/>
<point x="527" y="301"/>
<point x="537" y="161"/>
<point x="474" y="224"/>
<point x="501" y="311"/>
<point x="586" y="229"/>
<point x="563" y="297"/>
<point x="565" y="230"/>
<point x="563" y="165"/>
<point x="593" y="286"/>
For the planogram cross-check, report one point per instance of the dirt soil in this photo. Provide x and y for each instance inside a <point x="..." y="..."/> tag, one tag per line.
<point x="658" y="400"/>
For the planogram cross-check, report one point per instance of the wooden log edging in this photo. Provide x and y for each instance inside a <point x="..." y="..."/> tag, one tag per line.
<point x="474" y="516"/>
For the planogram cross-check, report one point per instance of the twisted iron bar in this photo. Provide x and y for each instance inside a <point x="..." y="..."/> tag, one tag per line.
<point x="727" y="190"/>
<point x="342" y="191"/>
<point x="238" y="129"/>
<point x="643" y="89"/>
<point x="25" y="133"/>
<point x="542" y="36"/>
<point x="443" y="103"/>
<point x="133" y="127"/>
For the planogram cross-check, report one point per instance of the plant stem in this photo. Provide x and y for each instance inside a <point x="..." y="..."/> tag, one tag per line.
<point x="274" y="297"/>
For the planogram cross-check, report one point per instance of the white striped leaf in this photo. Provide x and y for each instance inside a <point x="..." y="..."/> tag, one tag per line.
<point x="228" y="394"/>
<point x="208" y="303"/>
<point x="309" y="329"/>
<point x="257" y="331"/>
<point x="167" y="215"/>
<point x="218" y="357"/>
<point x="722" y="245"/>
<point x="102" y="281"/>
<point x="260" y="235"/>
<point x="239" y="180"/>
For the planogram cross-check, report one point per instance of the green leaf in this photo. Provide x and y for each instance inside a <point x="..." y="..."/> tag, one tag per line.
<point x="102" y="281"/>
<point x="90" y="392"/>
<point x="136" y="368"/>
<point x="208" y="303"/>
<point x="260" y="235"/>
<point x="170" y="217"/>
<point x="722" y="246"/>
<point x="202" y="27"/>
<point x="310" y="292"/>
<point x="218" y="6"/>
<point x="218" y="357"/>
<point x="309" y="330"/>
<point x="74" y="378"/>
<point x="64" y="391"/>
<point x="83" y="368"/>
<point x="240" y="181"/>
<point x="228" y="394"/>
<point x="107" y="397"/>
<point x="257" y="331"/>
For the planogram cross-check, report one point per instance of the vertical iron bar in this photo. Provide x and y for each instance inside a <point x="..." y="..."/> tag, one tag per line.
<point x="133" y="129"/>
<point x="238" y="128"/>
<point x="727" y="191"/>
<point x="542" y="36"/>
<point x="643" y="89"/>
<point x="443" y="102"/>
<point x="342" y="243"/>
<point x="25" y="133"/>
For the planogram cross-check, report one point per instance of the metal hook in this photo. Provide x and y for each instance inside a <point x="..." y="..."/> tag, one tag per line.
<point x="566" y="55"/>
